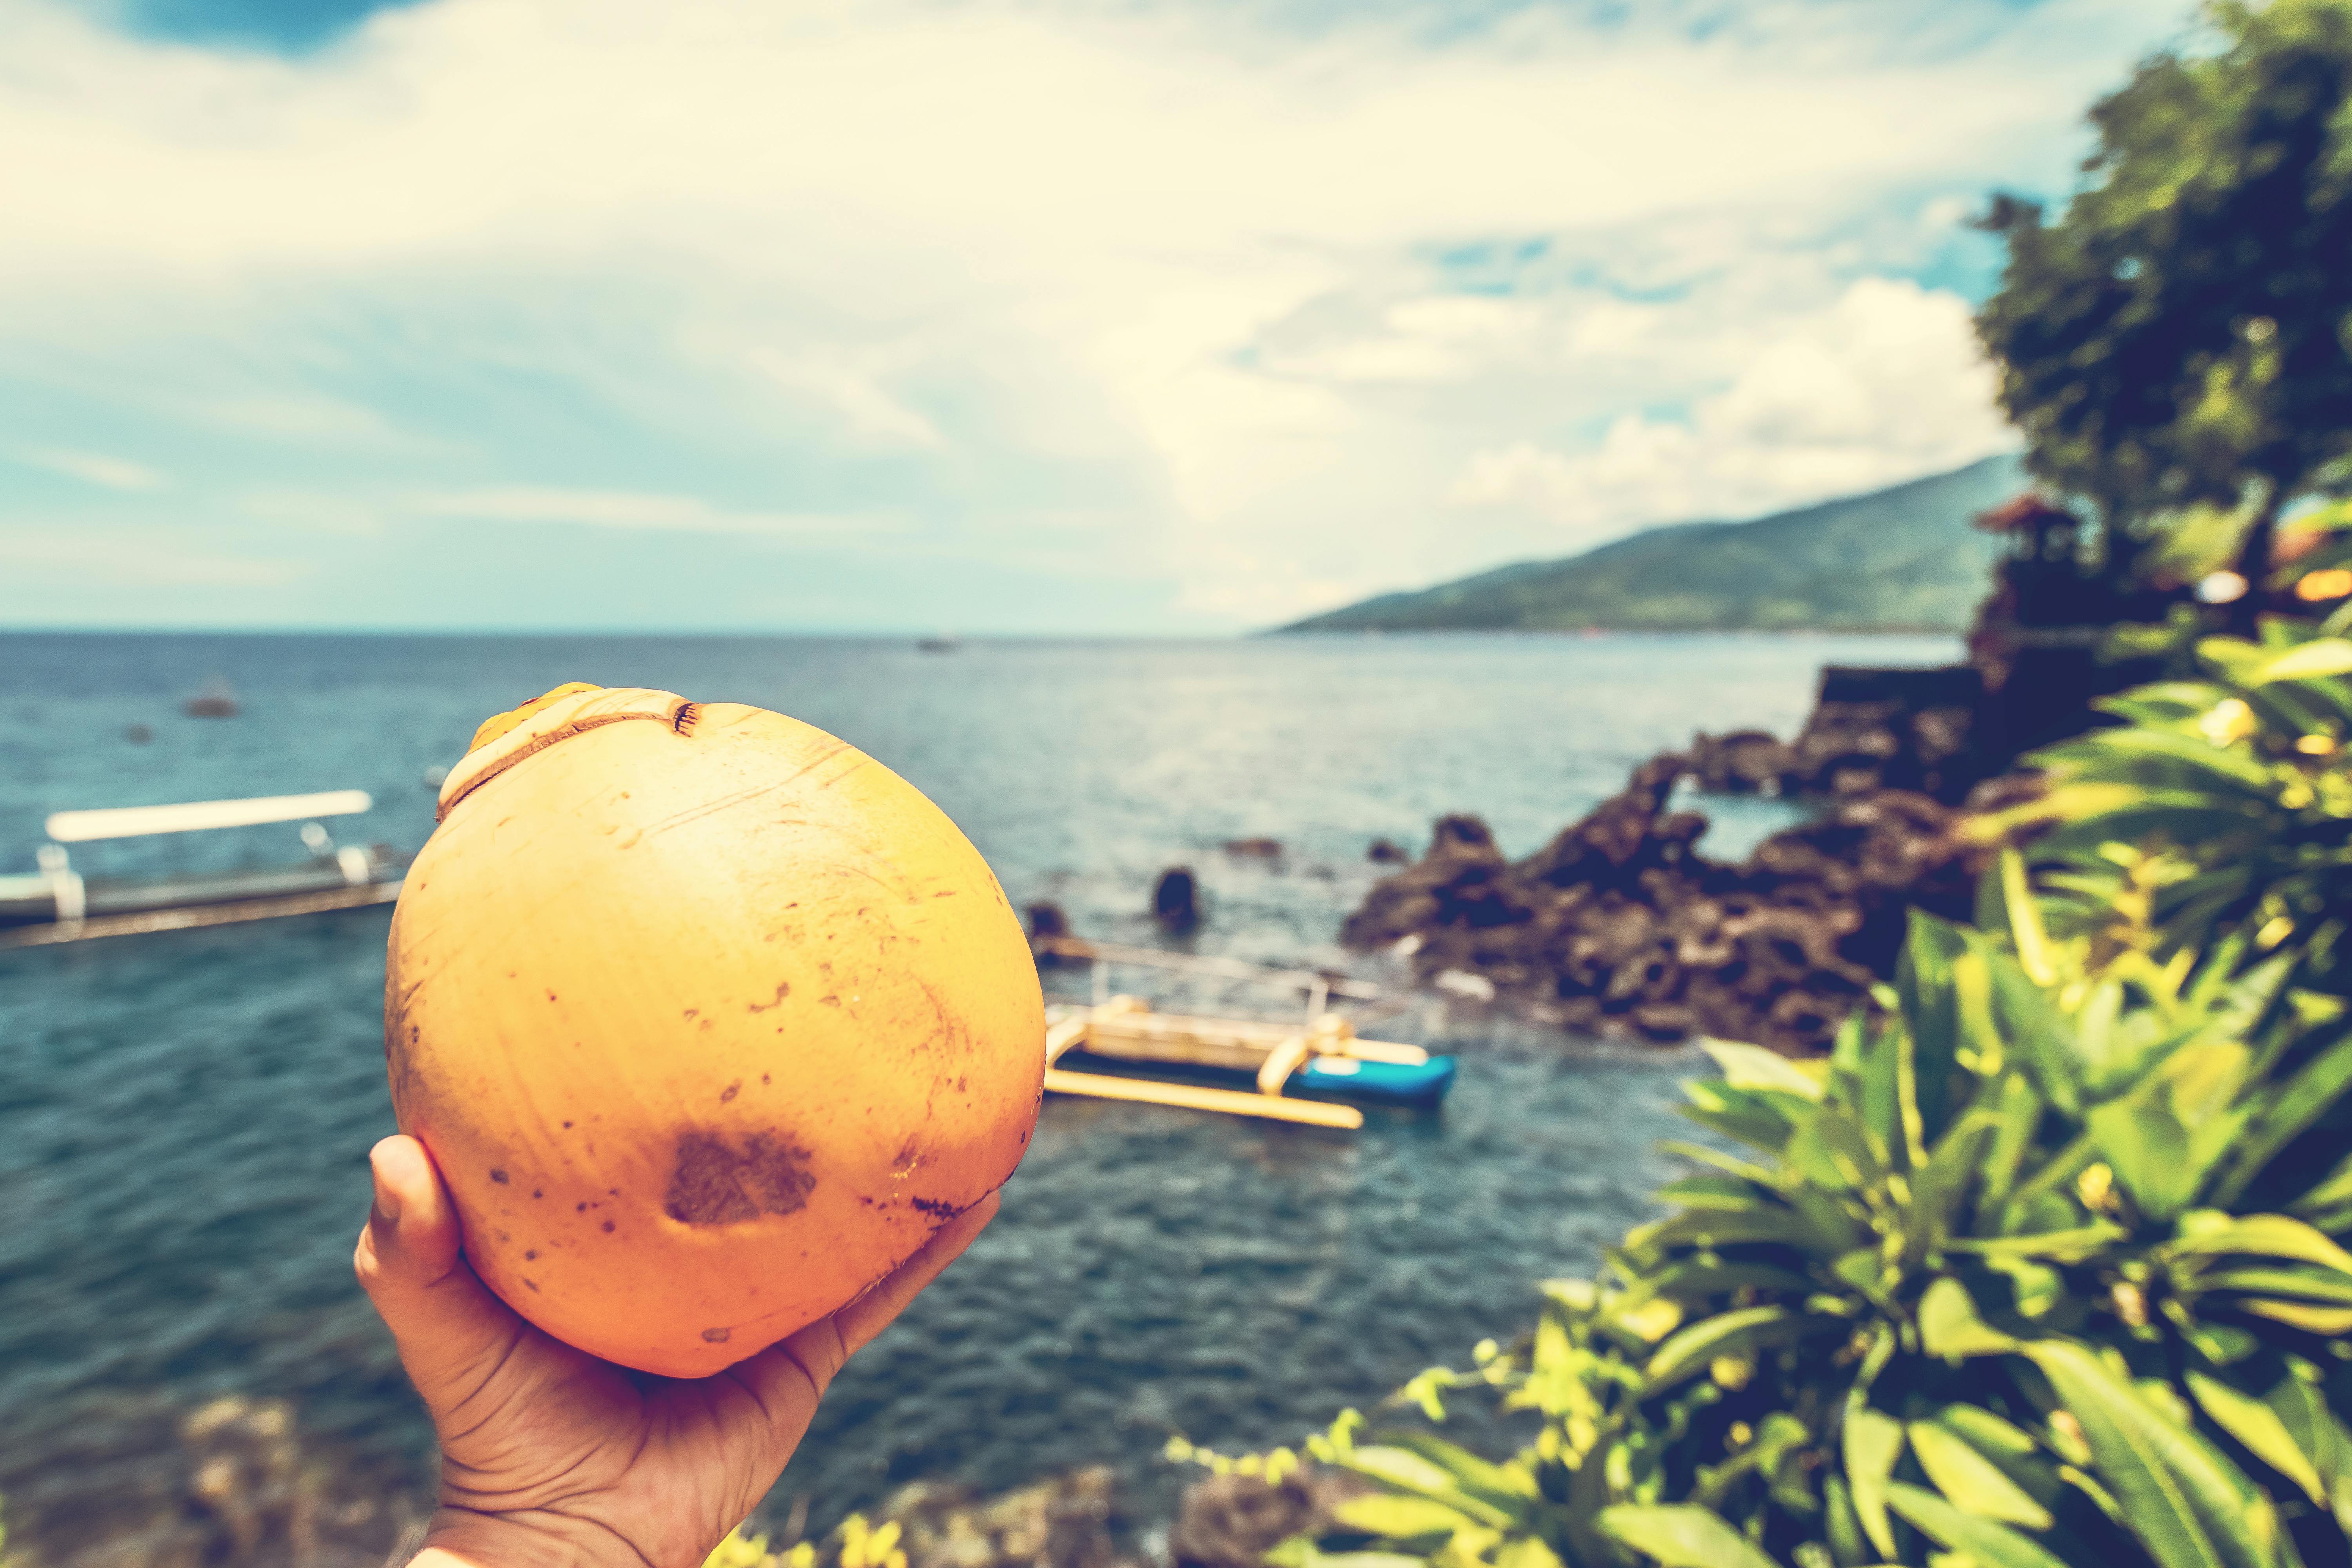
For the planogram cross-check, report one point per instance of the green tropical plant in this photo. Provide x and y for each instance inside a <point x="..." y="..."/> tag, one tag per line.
<point x="2220" y="806"/>
<point x="1983" y="1286"/>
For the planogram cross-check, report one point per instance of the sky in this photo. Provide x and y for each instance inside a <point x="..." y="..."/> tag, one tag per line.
<point x="1162" y="316"/>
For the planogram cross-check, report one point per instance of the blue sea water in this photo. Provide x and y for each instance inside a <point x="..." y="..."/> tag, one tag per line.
<point x="185" y="1117"/>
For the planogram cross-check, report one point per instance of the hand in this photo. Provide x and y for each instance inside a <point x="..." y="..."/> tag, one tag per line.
<point x="549" y="1455"/>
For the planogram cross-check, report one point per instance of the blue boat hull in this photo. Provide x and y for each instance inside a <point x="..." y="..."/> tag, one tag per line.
<point x="1377" y="1083"/>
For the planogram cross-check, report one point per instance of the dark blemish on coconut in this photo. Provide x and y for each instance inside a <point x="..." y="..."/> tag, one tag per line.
<point x="693" y="1012"/>
<point x="703" y="1025"/>
<point x="551" y="995"/>
<point x="731" y="1091"/>
<point x="830" y="1001"/>
<point x="534" y="1286"/>
<point x="612" y="1192"/>
<point x="721" y="1182"/>
<point x="937" y="1209"/>
<point x="531" y="1257"/>
<point x="783" y="989"/>
<point x="580" y="1208"/>
<point x="567" y="1127"/>
<point x="684" y="724"/>
<point x="608" y="1227"/>
<point x="537" y="1194"/>
<point x="716" y="1336"/>
<point x="950" y="893"/>
<point x="764" y="1079"/>
<point x="500" y="1177"/>
<point x="903" y="1163"/>
<point x="961" y="1087"/>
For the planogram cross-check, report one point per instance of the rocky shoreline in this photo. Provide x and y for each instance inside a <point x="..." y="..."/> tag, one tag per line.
<point x="1620" y="926"/>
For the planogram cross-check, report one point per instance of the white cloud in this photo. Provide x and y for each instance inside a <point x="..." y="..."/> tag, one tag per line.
<point x="999" y="260"/>
<point x="140" y="556"/>
<point x="93" y="469"/>
<point x="316" y="511"/>
<point x="628" y="509"/>
<point x="1885" y="384"/>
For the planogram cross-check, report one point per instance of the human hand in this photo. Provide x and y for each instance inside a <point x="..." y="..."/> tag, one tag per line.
<point x="549" y="1455"/>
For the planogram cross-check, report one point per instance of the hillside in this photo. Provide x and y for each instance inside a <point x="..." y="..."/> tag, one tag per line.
<point x="1902" y="559"/>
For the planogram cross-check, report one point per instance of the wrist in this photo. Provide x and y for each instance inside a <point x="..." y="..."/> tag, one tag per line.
<point x="463" y="1538"/>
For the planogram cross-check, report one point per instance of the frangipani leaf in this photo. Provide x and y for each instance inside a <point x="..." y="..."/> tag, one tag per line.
<point x="1754" y="1067"/>
<point x="1970" y="1480"/>
<point x="1397" y="1516"/>
<point x="2257" y="1425"/>
<point x="1682" y="1536"/>
<point x="2190" y="1507"/>
<point x="1409" y="1472"/>
<point x="2208" y="1233"/>
<point x="1725" y="1333"/>
<point x="1873" y="1441"/>
<point x="2306" y="661"/>
<point x="1986" y="1543"/>
<point x="1950" y="1326"/>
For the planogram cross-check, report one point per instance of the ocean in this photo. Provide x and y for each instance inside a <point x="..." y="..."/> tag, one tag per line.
<point x="185" y="1117"/>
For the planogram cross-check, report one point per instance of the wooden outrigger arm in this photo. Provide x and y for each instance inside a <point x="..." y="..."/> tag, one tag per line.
<point x="1191" y="1097"/>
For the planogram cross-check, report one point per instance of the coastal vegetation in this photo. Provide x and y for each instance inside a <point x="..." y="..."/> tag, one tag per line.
<point x="2042" y="1265"/>
<point x="2044" y="1262"/>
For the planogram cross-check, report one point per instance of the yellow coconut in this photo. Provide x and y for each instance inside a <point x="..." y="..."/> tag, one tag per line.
<point x="709" y="1020"/>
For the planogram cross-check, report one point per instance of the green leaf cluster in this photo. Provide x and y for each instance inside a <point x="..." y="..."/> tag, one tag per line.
<point x="1977" y="1288"/>
<point x="2216" y="819"/>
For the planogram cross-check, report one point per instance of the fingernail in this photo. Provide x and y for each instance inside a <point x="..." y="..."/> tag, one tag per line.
<point x="388" y="1202"/>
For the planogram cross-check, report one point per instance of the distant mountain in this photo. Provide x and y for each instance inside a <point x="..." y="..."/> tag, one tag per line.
<point x="1903" y="559"/>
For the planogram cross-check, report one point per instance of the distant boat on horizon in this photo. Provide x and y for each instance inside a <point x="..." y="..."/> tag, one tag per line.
<point x="946" y="642"/>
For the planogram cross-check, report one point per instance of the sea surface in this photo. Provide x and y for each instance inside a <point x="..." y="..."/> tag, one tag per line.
<point x="185" y="1117"/>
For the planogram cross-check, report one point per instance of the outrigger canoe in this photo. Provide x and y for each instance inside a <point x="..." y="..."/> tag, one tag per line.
<point x="1296" y="1070"/>
<point x="58" y="903"/>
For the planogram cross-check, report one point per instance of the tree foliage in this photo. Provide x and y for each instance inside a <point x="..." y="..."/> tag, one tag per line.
<point x="2181" y="334"/>
<point x="2043" y="1265"/>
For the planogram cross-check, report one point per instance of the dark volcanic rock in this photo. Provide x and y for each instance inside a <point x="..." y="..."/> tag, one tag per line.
<point x="1047" y="923"/>
<point x="1620" y="925"/>
<point x="1870" y="729"/>
<point x="1176" y="900"/>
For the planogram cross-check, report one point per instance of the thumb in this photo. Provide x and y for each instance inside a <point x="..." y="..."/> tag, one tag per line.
<point x="451" y="1331"/>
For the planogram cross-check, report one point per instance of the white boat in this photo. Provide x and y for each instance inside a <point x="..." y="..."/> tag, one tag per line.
<point x="59" y="903"/>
